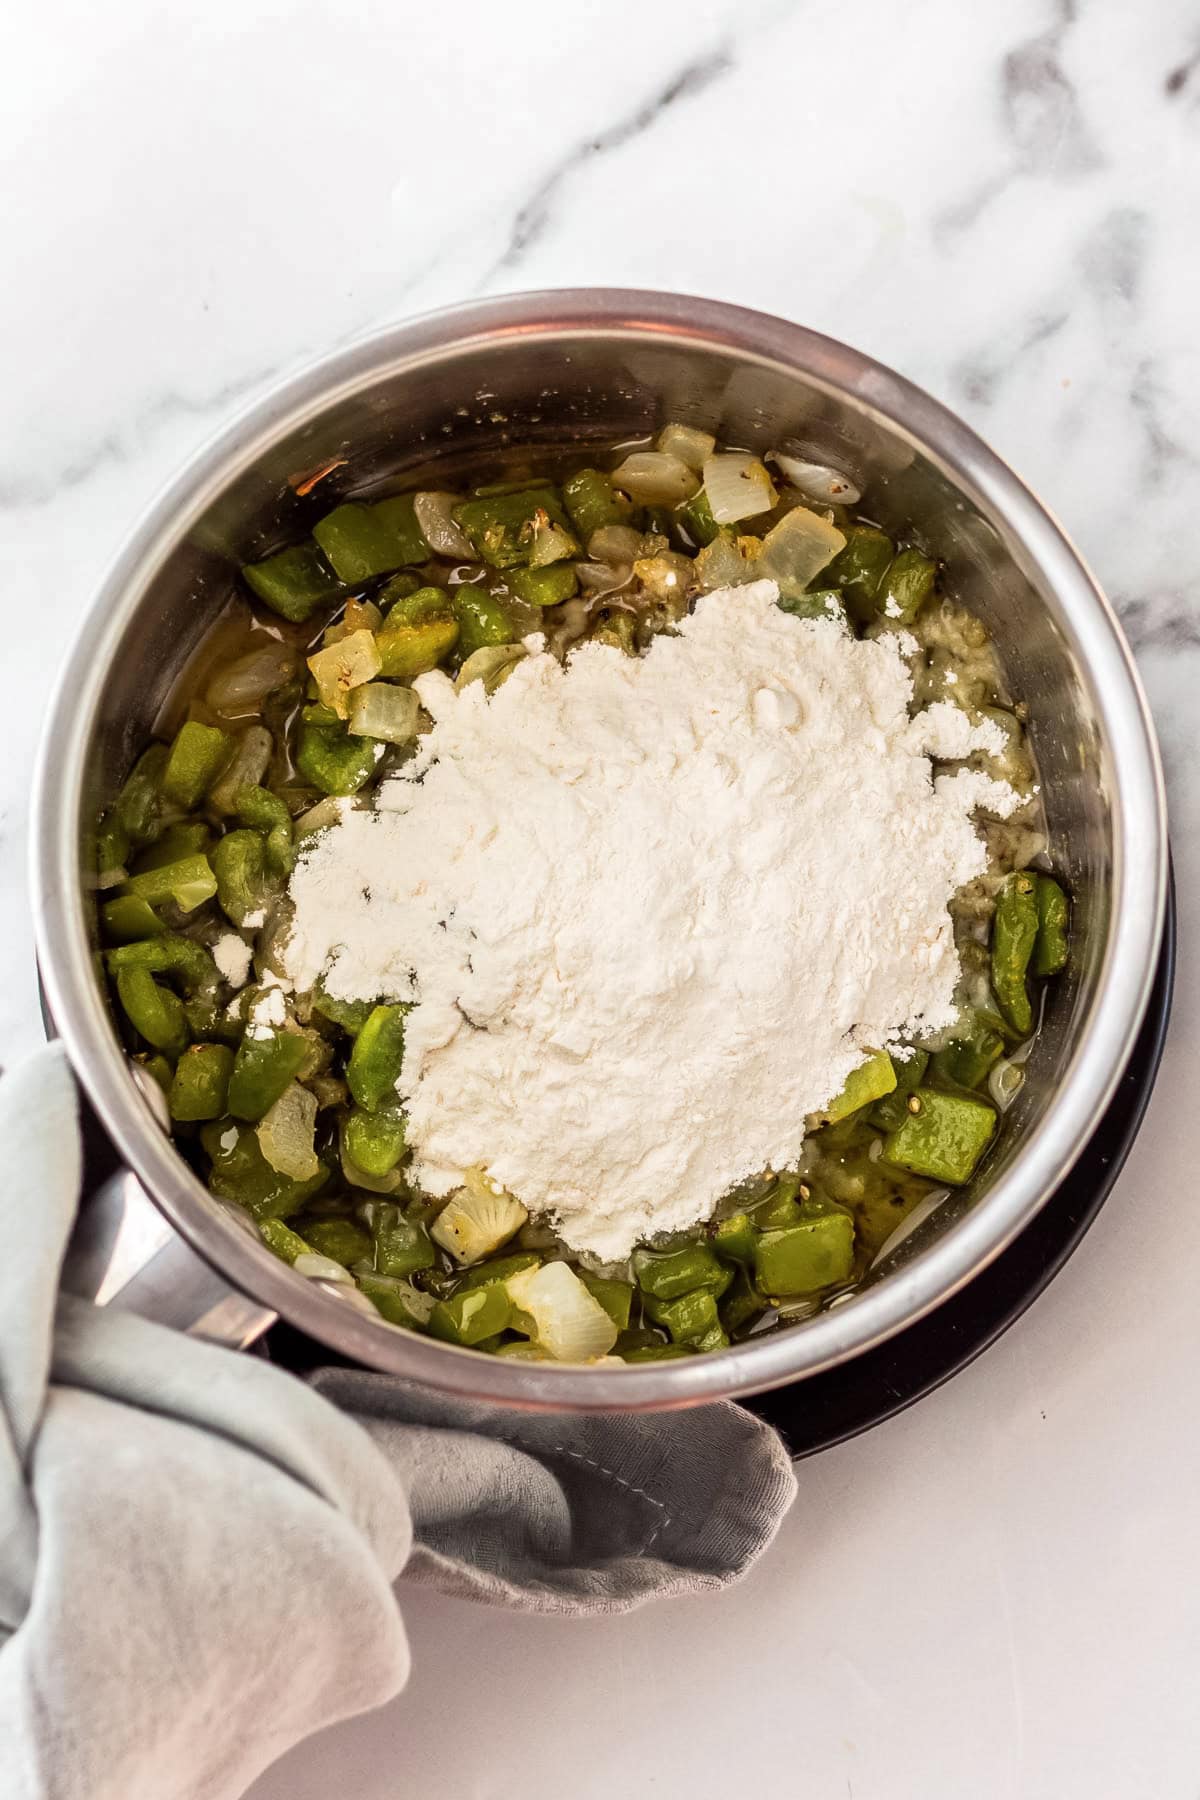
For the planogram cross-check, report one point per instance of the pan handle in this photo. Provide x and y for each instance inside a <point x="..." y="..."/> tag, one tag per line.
<point x="124" y="1253"/>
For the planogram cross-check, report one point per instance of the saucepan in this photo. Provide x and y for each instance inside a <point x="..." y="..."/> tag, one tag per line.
<point x="579" y="367"/>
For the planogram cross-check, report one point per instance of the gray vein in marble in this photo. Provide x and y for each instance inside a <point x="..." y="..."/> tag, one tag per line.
<point x="535" y="214"/>
<point x="976" y="376"/>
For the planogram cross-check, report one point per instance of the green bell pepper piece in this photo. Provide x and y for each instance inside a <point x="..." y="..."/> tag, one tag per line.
<point x="859" y="568"/>
<point x="196" y="758"/>
<point x="964" y="1063"/>
<point x="186" y="837"/>
<point x="158" y="1068"/>
<point x="397" y="1301"/>
<point x="351" y="1015"/>
<point x="406" y="651"/>
<point x="200" y="1086"/>
<point x="261" y="810"/>
<point x="815" y="1253"/>
<point x="374" y="1066"/>
<point x="294" y="582"/>
<point x="187" y="884"/>
<point x="653" y="1353"/>
<point x="779" y="1207"/>
<point x="469" y="1316"/>
<point x="1051" y="946"/>
<point x="239" y="862"/>
<point x="909" y="1071"/>
<point x="152" y="1010"/>
<point x="138" y="806"/>
<point x="619" y="631"/>
<point x="1014" y="934"/>
<point x="402" y="1248"/>
<point x="169" y="954"/>
<point x="616" y="1297"/>
<point x="498" y="1269"/>
<point x="112" y="844"/>
<point x="418" y="605"/>
<point x="400" y="587"/>
<point x="286" y="1243"/>
<point x="592" y="501"/>
<point x="667" y="1274"/>
<point x="697" y="514"/>
<point x="545" y="587"/>
<point x="741" y="1304"/>
<point x="333" y="761"/>
<point x="482" y="619"/>
<point x="734" y="1238"/>
<point x="502" y="527"/>
<point x="688" y="1317"/>
<point x="906" y="587"/>
<point x="127" y="919"/>
<point x="363" y="541"/>
<point x="870" y="1081"/>
<point x="943" y="1136"/>
<point x="342" y="1239"/>
<point x="242" y="1173"/>
<point x="374" y="1141"/>
<point x="262" y="1068"/>
<point x="817" y="603"/>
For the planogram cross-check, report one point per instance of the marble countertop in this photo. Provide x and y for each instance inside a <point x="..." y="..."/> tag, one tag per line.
<point x="997" y="1594"/>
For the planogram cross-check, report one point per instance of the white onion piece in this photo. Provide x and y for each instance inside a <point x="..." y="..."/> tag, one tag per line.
<point x="723" y="564"/>
<point x="476" y="1221"/>
<point x="443" y="536"/>
<point x="687" y="443"/>
<point x="242" y="685"/>
<point x="615" y="544"/>
<point x="374" y="1184"/>
<point x="349" y="1294"/>
<point x="798" y="548"/>
<point x="1005" y="1081"/>
<point x="285" y="1133"/>
<point x="492" y="664"/>
<point x="817" y="480"/>
<point x="567" y="1320"/>
<point x="320" y="1268"/>
<point x="654" y="479"/>
<point x="381" y="710"/>
<point x="924" y="1209"/>
<point x="597" y="578"/>
<point x="738" y="486"/>
<point x="320" y="817"/>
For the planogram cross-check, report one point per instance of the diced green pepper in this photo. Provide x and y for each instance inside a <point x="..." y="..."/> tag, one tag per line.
<point x="741" y="1304"/>
<point x="200" y="1085"/>
<point x="815" y="1253"/>
<point x="261" y="810"/>
<point x="342" y="1239"/>
<point x="667" y="1274"/>
<point x="375" y="1141"/>
<point x="362" y="541"/>
<point x="351" y="1015"/>
<point x="910" y="1073"/>
<point x="406" y="651"/>
<point x="241" y="1172"/>
<point x="169" y="954"/>
<point x="906" y="586"/>
<point x="138" y="806"/>
<point x="545" y="587"/>
<point x="616" y="1297"/>
<point x="734" y="1238"/>
<point x="859" y="568"/>
<point x="592" y="501"/>
<point x="402" y="1248"/>
<point x="294" y="582"/>
<point x="112" y="844"/>
<point x="715" y="1338"/>
<point x="469" y="1316"/>
<point x="374" y="1066"/>
<point x="400" y="587"/>
<point x="503" y="527"/>
<point x="619" y="631"/>
<point x="397" y="1301"/>
<point x="243" y="886"/>
<point x="1051" y="947"/>
<point x="943" y="1136"/>
<point x="286" y="1243"/>
<point x="1014" y="934"/>
<point x="152" y="1010"/>
<point x="499" y="1268"/>
<point x="482" y="619"/>
<point x="331" y="760"/>
<point x="965" y="1062"/>
<point x="263" y="1067"/>
<point x="127" y="919"/>
<point x="653" y="1353"/>
<point x="184" y="838"/>
<point x="687" y="1317"/>
<point x="418" y="605"/>
<point x="779" y="1207"/>
<point x="817" y="603"/>
<point x="158" y="1068"/>
<point x="697" y="514"/>
<point x="870" y="1081"/>
<point x="196" y="758"/>
<point x="187" y="884"/>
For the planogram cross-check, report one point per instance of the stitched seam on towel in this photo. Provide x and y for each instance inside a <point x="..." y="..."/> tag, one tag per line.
<point x="565" y="1450"/>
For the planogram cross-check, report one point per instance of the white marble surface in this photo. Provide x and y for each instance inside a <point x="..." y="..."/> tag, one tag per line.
<point x="999" y="1593"/>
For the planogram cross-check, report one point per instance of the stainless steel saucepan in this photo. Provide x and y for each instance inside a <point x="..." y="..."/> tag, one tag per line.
<point x="590" y="367"/>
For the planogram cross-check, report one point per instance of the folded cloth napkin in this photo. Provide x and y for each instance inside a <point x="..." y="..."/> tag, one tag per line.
<point x="197" y="1550"/>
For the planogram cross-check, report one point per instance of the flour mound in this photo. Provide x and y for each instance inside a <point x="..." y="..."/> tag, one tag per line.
<point x="652" y="912"/>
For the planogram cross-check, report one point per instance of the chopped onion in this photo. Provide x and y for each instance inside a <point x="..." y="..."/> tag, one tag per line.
<point x="343" y="666"/>
<point x="380" y="710"/>
<point x="615" y="544"/>
<point x="320" y="1268"/>
<point x="492" y="664"/>
<point x="666" y="577"/>
<point x="654" y="479"/>
<point x="442" y="535"/>
<point x="924" y="1209"/>
<point x="478" y="1219"/>
<point x="320" y="817"/>
<point x="597" y="578"/>
<point x="243" y="684"/>
<point x="551" y="543"/>
<point x="738" y="486"/>
<point x="724" y="563"/>
<point x="817" y="480"/>
<point x="285" y="1133"/>
<point x="687" y="443"/>
<point x="250" y="762"/>
<point x="567" y="1321"/>
<point x="1005" y="1080"/>
<point x="798" y="548"/>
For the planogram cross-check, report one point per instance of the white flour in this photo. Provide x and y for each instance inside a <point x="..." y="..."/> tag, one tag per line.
<point x="652" y="911"/>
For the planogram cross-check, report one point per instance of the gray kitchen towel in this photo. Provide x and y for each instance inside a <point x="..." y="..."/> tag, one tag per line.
<point x="197" y="1550"/>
